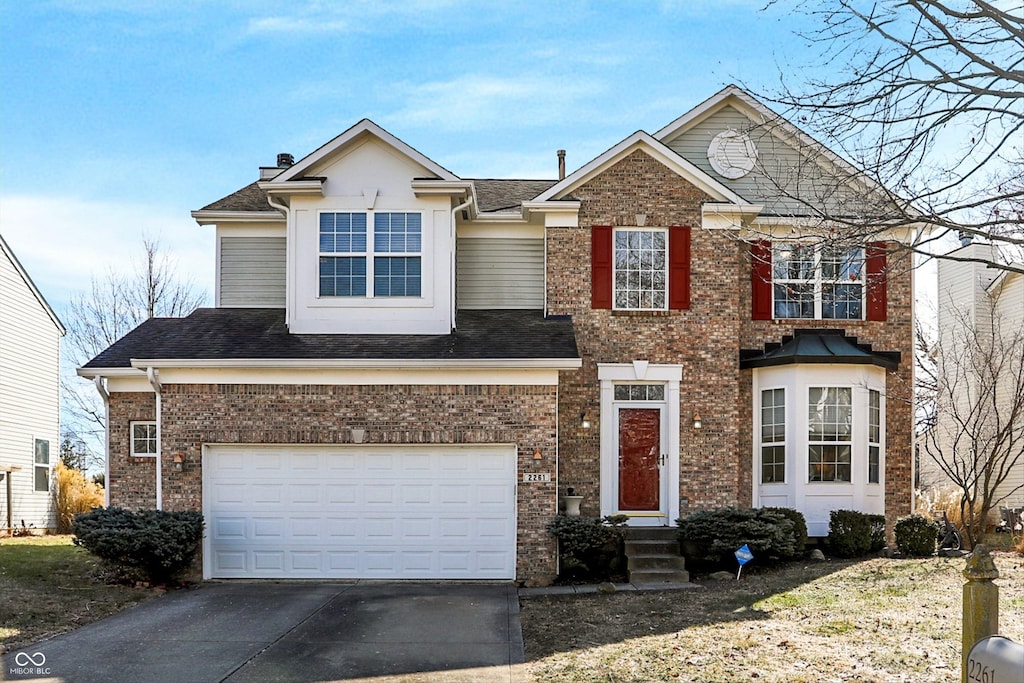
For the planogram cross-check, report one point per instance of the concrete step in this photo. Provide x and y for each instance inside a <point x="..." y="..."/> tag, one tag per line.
<point x="644" y="562"/>
<point x="652" y="533"/>
<point x="659" y="576"/>
<point x="652" y="547"/>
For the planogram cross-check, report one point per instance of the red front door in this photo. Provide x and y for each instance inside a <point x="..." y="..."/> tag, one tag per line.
<point x="640" y="459"/>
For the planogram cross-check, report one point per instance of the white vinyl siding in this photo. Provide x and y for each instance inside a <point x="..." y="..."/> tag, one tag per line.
<point x="252" y="272"/>
<point x="29" y="394"/>
<point x="500" y="273"/>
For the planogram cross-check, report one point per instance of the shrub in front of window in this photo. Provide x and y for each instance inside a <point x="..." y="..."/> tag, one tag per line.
<point x="154" y="545"/>
<point x="589" y="548"/>
<point x="799" y="527"/>
<point x="916" y="536"/>
<point x="710" y="537"/>
<point x="849" y="533"/>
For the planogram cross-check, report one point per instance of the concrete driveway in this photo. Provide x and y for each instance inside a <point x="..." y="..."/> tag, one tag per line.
<point x="293" y="631"/>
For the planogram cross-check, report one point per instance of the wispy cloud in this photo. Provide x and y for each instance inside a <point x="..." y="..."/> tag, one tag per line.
<point x="345" y="17"/>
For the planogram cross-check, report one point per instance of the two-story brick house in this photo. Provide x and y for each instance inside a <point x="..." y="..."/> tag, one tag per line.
<point x="405" y="369"/>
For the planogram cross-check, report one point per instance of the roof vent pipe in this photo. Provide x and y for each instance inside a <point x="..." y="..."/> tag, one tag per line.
<point x="284" y="160"/>
<point x="561" y="164"/>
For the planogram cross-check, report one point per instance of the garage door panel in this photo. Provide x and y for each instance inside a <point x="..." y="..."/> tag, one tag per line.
<point x="357" y="512"/>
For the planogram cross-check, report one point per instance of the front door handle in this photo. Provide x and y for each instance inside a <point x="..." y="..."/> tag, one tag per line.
<point x="662" y="458"/>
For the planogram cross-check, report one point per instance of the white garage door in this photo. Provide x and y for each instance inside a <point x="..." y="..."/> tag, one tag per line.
<point x="387" y="512"/>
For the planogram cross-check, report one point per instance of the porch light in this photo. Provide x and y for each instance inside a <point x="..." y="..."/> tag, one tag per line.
<point x="536" y="454"/>
<point x="697" y="424"/>
<point x="584" y="420"/>
<point x="179" y="460"/>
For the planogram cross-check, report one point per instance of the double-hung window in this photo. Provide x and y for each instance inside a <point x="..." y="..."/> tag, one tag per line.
<point x="641" y="269"/>
<point x="830" y="434"/>
<point x="874" y="436"/>
<point x="358" y="262"/>
<point x="42" y="465"/>
<point x="773" y="436"/>
<point x="823" y="281"/>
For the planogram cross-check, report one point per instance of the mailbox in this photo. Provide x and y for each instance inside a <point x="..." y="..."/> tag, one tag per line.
<point x="995" y="660"/>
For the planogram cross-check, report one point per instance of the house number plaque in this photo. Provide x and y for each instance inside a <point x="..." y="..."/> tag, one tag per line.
<point x="536" y="476"/>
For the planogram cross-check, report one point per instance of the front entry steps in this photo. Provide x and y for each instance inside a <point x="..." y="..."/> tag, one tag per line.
<point x="652" y="555"/>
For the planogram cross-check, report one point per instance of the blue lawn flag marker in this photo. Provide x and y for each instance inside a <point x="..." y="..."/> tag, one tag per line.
<point x="743" y="555"/>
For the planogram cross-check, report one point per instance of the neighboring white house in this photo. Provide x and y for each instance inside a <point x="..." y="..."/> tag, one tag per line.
<point x="30" y="335"/>
<point x="973" y="296"/>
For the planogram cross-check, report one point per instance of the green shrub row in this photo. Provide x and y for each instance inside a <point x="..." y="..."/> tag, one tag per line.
<point x="772" y="534"/>
<point x="855" y="534"/>
<point x="589" y="548"/>
<point x="152" y="544"/>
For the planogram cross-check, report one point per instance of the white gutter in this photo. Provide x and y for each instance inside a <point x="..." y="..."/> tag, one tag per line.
<point x="464" y="205"/>
<point x="105" y="395"/>
<point x="359" y="364"/>
<point x="155" y="383"/>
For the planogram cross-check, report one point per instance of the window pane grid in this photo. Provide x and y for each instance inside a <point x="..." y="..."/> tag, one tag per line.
<point x="346" y="268"/>
<point x="874" y="436"/>
<point x="396" y="276"/>
<point x="639" y="392"/>
<point x="773" y="432"/>
<point x="144" y="438"/>
<point x="818" y="282"/>
<point x="830" y="430"/>
<point x="641" y="274"/>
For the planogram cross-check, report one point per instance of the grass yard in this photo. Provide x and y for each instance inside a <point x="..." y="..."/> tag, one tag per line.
<point x="879" y="620"/>
<point x="48" y="586"/>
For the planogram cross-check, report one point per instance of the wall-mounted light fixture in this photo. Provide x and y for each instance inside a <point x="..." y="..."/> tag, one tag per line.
<point x="358" y="435"/>
<point x="179" y="460"/>
<point x="585" y="420"/>
<point x="536" y="454"/>
<point x="697" y="424"/>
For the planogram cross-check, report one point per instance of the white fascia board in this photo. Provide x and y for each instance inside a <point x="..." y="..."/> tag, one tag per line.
<point x="659" y="151"/>
<point x="364" y="127"/>
<point x="552" y="206"/>
<point x="361" y="364"/>
<point x="718" y="216"/>
<point x="312" y="187"/>
<point x="797" y="226"/>
<point x="110" y="372"/>
<point x="456" y="188"/>
<point x="223" y="217"/>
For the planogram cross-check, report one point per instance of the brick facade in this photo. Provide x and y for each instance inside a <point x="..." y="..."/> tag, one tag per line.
<point x="715" y="461"/>
<point x="194" y="415"/>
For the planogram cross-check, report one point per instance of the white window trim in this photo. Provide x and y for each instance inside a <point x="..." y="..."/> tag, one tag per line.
<point x="370" y="254"/>
<point x="853" y="441"/>
<point x="639" y="372"/>
<point x="617" y="230"/>
<point x="131" y="438"/>
<point x="48" y="466"/>
<point x="818" y="282"/>
<point x="761" y="443"/>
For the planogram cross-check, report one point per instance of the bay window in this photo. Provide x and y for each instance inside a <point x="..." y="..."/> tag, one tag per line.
<point x="829" y="434"/>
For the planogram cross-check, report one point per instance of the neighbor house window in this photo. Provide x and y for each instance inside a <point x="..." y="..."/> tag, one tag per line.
<point x="773" y="436"/>
<point x="143" y="439"/>
<point x="874" y="436"/>
<point x="830" y="434"/>
<point x="42" y="465"/>
<point x="641" y="269"/>
<point x="823" y="281"/>
<point x="357" y="262"/>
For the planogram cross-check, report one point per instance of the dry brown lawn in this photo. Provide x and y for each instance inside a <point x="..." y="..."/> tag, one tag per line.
<point x="880" y="620"/>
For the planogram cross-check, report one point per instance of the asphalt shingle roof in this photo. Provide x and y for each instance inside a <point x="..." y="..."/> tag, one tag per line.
<point x="260" y="333"/>
<point x="493" y="195"/>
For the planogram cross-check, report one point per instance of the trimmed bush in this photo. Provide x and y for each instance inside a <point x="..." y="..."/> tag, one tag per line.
<point x="589" y="548"/>
<point x="712" y="536"/>
<point x="799" y="527"/>
<point x="153" y="544"/>
<point x="849" y="533"/>
<point x="877" y="523"/>
<point x="916" y="536"/>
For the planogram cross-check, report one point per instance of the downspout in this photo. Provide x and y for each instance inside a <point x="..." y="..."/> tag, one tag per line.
<point x="464" y="205"/>
<point x="283" y="208"/>
<point x="155" y="383"/>
<point x="105" y="395"/>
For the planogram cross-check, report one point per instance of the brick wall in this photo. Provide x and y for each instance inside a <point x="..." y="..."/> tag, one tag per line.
<point x="132" y="481"/>
<point x="290" y="414"/>
<point x="715" y="462"/>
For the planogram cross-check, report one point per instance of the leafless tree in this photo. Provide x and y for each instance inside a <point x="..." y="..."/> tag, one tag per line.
<point x="114" y="305"/>
<point x="926" y="99"/>
<point x="976" y="435"/>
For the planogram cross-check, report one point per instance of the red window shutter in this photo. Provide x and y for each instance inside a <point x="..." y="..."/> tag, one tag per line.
<point x="679" y="267"/>
<point x="877" y="298"/>
<point x="602" y="257"/>
<point x="761" y="280"/>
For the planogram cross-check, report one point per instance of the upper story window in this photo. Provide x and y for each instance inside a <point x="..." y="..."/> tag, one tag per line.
<point x="822" y="282"/>
<point x="826" y="282"/>
<point x="357" y="262"/>
<point x="641" y="269"/>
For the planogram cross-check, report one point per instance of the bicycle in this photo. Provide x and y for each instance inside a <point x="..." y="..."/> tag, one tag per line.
<point x="949" y="536"/>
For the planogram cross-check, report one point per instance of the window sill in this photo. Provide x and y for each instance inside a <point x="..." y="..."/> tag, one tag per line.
<point x="626" y="313"/>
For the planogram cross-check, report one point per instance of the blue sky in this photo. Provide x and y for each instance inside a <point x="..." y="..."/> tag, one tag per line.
<point x="118" y="118"/>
